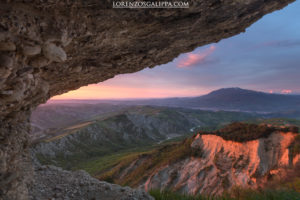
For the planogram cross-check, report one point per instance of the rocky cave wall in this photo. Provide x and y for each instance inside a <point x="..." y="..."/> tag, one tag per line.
<point x="50" y="47"/>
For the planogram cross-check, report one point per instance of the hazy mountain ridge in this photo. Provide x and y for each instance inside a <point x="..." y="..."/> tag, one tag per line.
<point x="50" y="118"/>
<point x="228" y="99"/>
<point x="237" y="99"/>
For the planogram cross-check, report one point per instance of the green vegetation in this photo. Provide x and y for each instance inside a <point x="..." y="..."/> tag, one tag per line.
<point x="169" y="195"/>
<point x="242" y="132"/>
<point x="295" y="146"/>
<point x="275" y="122"/>
<point x="102" y="142"/>
<point x="237" y="194"/>
<point x="152" y="160"/>
<point x="99" y="165"/>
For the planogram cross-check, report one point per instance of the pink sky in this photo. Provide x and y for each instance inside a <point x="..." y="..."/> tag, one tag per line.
<point x="192" y="59"/>
<point x="98" y="91"/>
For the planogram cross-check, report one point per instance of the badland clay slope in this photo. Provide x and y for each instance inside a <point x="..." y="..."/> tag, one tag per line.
<point x="209" y="164"/>
<point x="48" y="48"/>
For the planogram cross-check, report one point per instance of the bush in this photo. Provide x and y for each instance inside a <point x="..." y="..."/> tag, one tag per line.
<point x="242" y="132"/>
<point x="169" y="195"/>
<point x="295" y="146"/>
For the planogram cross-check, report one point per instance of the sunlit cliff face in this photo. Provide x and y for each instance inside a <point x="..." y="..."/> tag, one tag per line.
<point x="225" y="164"/>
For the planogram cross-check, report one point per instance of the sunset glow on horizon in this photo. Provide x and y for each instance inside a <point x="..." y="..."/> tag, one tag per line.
<point x="96" y="91"/>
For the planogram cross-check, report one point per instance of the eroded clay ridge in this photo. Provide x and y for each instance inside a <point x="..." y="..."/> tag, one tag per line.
<point x="50" y="47"/>
<point x="226" y="164"/>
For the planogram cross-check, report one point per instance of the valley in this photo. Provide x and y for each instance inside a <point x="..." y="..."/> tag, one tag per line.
<point x="167" y="150"/>
<point x="135" y="128"/>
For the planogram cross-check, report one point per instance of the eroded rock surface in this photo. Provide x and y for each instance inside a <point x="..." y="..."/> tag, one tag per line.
<point x="90" y="42"/>
<point x="225" y="164"/>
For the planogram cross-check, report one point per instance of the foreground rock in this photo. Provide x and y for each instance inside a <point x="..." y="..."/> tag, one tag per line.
<point x="51" y="182"/>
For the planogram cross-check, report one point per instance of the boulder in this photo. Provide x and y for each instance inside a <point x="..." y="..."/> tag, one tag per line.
<point x="39" y="61"/>
<point x="54" y="53"/>
<point x="31" y="50"/>
<point x="7" y="46"/>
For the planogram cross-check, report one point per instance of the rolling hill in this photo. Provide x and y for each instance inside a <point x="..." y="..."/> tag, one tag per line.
<point x="124" y="130"/>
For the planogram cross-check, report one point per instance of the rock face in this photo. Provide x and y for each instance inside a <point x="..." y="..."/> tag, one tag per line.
<point x="90" y="42"/>
<point x="51" y="182"/>
<point x="225" y="164"/>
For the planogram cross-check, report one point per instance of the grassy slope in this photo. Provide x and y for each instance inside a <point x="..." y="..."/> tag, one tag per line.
<point x="96" y="156"/>
<point x="240" y="194"/>
<point x="276" y="121"/>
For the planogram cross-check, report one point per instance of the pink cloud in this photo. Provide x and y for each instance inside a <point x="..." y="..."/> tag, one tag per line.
<point x="192" y="59"/>
<point x="286" y="91"/>
<point x="271" y="91"/>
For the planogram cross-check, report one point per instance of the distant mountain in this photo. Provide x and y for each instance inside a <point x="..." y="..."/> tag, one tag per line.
<point x="227" y="99"/>
<point x="230" y="99"/>
<point x="245" y="100"/>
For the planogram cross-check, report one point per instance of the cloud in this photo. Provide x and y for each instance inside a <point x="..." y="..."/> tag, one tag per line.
<point x="286" y="91"/>
<point x="192" y="59"/>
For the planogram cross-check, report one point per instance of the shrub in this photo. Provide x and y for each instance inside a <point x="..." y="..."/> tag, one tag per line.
<point x="242" y="132"/>
<point x="295" y="147"/>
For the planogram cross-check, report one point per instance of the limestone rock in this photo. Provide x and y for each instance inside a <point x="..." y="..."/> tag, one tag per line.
<point x="54" y="53"/>
<point x="77" y="69"/>
<point x="39" y="61"/>
<point x="4" y="73"/>
<point x="7" y="46"/>
<point x="6" y="61"/>
<point x="53" y="182"/>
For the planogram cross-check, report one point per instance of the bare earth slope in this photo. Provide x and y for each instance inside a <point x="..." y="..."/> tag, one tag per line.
<point x="210" y="164"/>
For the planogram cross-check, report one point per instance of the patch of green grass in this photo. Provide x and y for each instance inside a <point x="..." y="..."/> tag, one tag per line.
<point x="266" y="194"/>
<point x="295" y="147"/>
<point x="243" y="132"/>
<point x="276" y="121"/>
<point x="166" y="154"/>
<point x="237" y="194"/>
<point x="99" y="165"/>
<point x="169" y="195"/>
